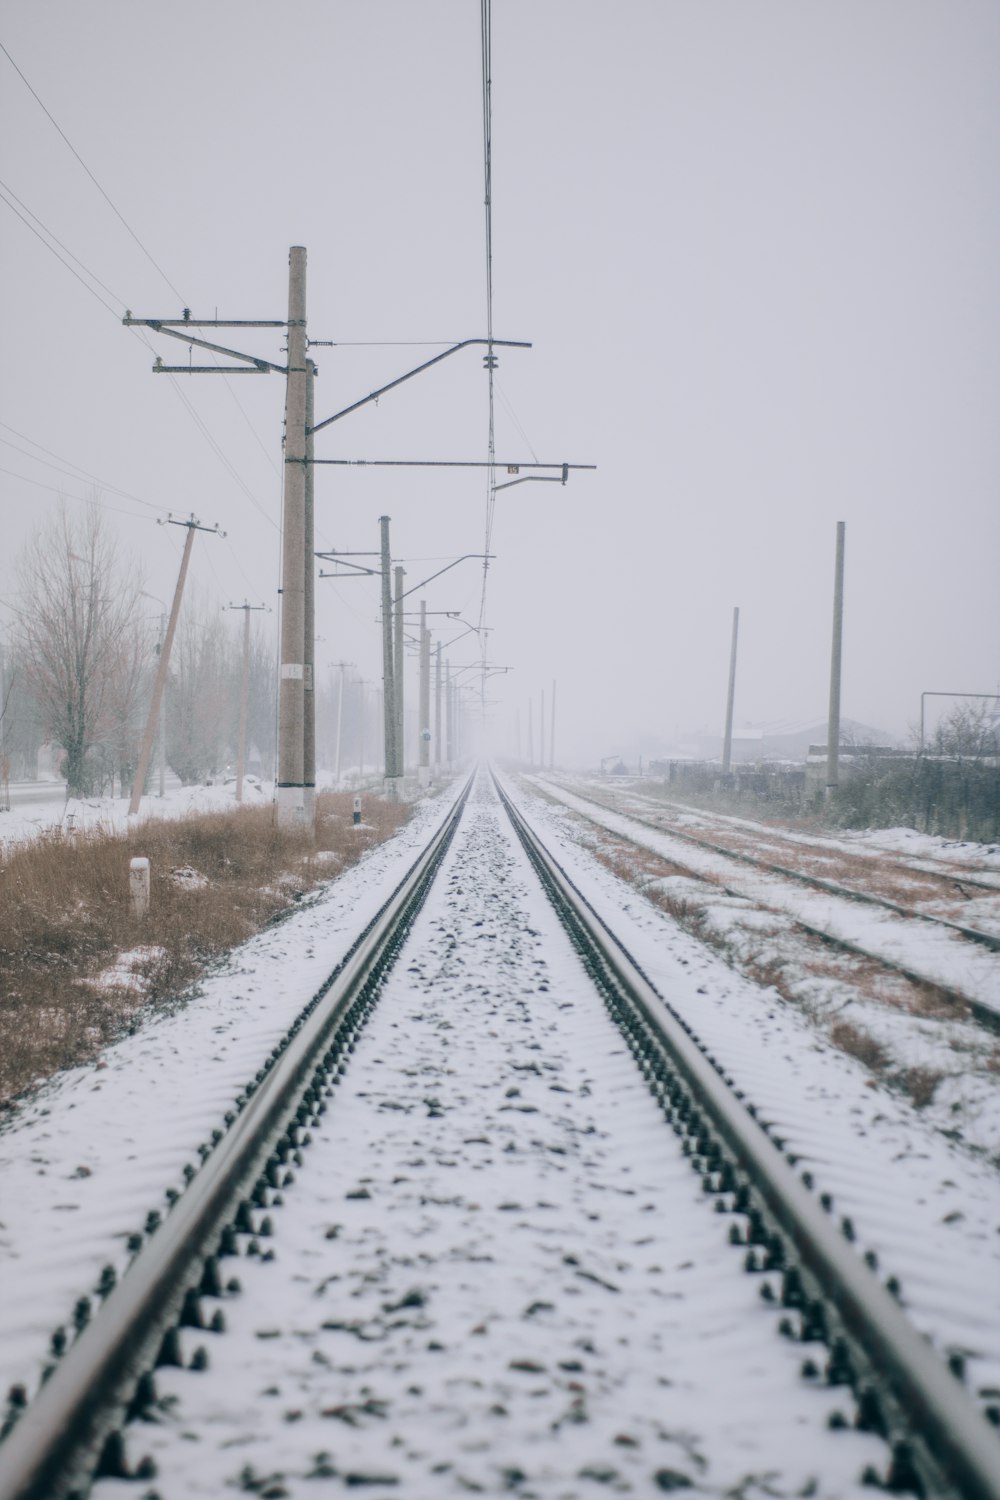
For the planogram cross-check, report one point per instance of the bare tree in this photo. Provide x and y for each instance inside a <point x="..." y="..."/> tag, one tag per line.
<point x="77" y="628"/>
<point x="127" y="704"/>
<point x="263" y="699"/>
<point x="970" y="730"/>
<point x="202" y="692"/>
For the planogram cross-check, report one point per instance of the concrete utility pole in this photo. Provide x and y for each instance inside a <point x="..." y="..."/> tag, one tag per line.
<point x="424" y="759"/>
<point x="309" y="619"/>
<point x="244" y="694"/>
<point x="541" y="731"/>
<point x="833" y="722"/>
<point x="552" y="731"/>
<point x="727" y="742"/>
<point x="388" y="668"/>
<point x="146" y="751"/>
<point x="296" y="663"/>
<point x="531" y="738"/>
<point x="437" y="711"/>
<point x="399" y="575"/>
<point x="290" y="799"/>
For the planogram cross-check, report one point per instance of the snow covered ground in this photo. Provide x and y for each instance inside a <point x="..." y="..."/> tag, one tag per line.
<point x="425" y="1113"/>
<point x="942" y="956"/>
<point x="40" y="807"/>
<point x="917" y="1196"/>
<point x="913" y="1044"/>
<point x="93" y="1151"/>
<point x="496" y="1272"/>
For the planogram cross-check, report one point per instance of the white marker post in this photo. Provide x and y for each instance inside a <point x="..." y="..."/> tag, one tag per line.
<point x="138" y="883"/>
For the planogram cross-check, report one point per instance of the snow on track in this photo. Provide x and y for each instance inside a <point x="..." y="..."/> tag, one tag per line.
<point x="496" y="1272"/>
<point x="940" y="956"/>
<point x="89" y="1154"/>
<point x="927" y="1206"/>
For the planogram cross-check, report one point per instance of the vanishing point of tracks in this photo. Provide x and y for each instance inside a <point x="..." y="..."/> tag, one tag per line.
<point x="858" y="1339"/>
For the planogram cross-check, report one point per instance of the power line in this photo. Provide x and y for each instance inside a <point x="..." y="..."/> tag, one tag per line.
<point x="196" y="418"/>
<point x="153" y="262"/>
<point x="89" y="173"/>
<point x="217" y="450"/>
<point x="84" y="499"/>
<point x="20" y="201"/>
<point x="85" y="473"/>
<point x="113" y="311"/>
<point x="514" y="418"/>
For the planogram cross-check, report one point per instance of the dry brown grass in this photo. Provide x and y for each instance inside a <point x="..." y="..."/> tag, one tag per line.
<point x="65" y="918"/>
<point x="920" y="1083"/>
<point x="785" y="974"/>
<point x="860" y="1044"/>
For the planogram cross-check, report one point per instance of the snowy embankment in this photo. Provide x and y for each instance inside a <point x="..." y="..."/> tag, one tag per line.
<point x="910" y="1039"/>
<point x="42" y="808"/>
<point x="940" y="956"/>
<point x="87" y="1156"/>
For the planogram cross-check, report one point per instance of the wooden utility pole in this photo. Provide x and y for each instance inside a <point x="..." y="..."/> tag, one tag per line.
<point x="290" y="799"/>
<point x="399" y="574"/>
<point x="727" y="741"/>
<point x="244" y="693"/>
<point x="833" y="721"/>
<point x="146" y="751"/>
<point x="290" y="805"/>
<point x="424" y="756"/>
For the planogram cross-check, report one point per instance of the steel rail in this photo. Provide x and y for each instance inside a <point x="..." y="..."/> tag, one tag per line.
<point x="986" y="1015"/>
<point x="919" y="866"/>
<point x="956" y="1448"/>
<point x="54" y="1447"/>
<point x="819" y="882"/>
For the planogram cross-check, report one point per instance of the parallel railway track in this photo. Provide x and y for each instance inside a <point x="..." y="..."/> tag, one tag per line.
<point x="938" y="1443"/>
<point x="986" y="1015"/>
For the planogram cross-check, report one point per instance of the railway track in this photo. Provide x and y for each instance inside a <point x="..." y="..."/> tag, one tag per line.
<point x="984" y="1008"/>
<point x="922" y="1432"/>
<point x="945" y="879"/>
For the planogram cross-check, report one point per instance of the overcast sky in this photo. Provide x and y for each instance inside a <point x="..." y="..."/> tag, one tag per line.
<point x="754" y="245"/>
